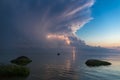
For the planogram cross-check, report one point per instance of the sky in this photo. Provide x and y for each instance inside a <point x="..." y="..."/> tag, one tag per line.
<point x="48" y="24"/>
<point x="104" y="29"/>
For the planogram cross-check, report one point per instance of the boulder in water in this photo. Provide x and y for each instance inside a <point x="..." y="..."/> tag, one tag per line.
<point x="23" y="60"/>
<point x="94" y="62"/>
<point x="10" y="70"/>
<point x="58" y="54"/>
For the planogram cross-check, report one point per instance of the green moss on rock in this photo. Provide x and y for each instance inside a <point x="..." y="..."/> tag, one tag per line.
<point x="94" y="62"/>
<point x="23" y="60"/>
<point x="13" y="71"/>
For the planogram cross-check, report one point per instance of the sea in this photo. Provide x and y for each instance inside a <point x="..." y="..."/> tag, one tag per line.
<point x="69" y="65"/>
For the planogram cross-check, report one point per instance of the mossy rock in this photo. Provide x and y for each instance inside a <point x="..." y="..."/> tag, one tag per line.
<point x="13" y="71"/>
<point x="23" y="60"/>
<point x="94" y="62"/>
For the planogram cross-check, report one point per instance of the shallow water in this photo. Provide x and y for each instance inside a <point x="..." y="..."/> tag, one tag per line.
<point x="68" y="65"/>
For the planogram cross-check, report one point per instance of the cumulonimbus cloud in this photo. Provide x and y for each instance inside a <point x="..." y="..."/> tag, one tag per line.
<point x="45" y="22"/>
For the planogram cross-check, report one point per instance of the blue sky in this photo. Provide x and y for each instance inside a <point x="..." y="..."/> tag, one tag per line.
<point x="104" y="29"/>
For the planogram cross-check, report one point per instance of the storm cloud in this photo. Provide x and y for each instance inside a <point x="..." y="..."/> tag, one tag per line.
<point x="43" y="23"/>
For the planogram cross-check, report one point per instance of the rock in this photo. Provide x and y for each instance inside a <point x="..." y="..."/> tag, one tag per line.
<point x="13" y="71"/>
<point x="58" y="54"/>
<point x="23" y="60"/>
<point x="94" y="62"/>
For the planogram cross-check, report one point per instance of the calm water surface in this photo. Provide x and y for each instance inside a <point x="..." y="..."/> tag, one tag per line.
<point x="68" y="66"/>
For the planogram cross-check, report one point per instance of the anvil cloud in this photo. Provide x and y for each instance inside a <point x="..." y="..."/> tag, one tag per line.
<point x="41" y="23"/>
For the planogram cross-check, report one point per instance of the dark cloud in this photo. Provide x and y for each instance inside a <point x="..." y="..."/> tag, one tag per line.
<point x="25" y="23"/>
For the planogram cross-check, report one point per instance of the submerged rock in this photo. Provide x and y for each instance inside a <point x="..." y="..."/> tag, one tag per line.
<point x="23" y="60"/>
<point x="13" y="71"/>
<point x="94" y="62"/>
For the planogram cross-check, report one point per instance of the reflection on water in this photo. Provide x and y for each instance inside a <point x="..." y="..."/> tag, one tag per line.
<point x="73" y="54"/>
<point x="57" y="72"/>
<point x="61" y="72"/>
<point x="58" y="68"/>
<point x="69" y="66"/>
